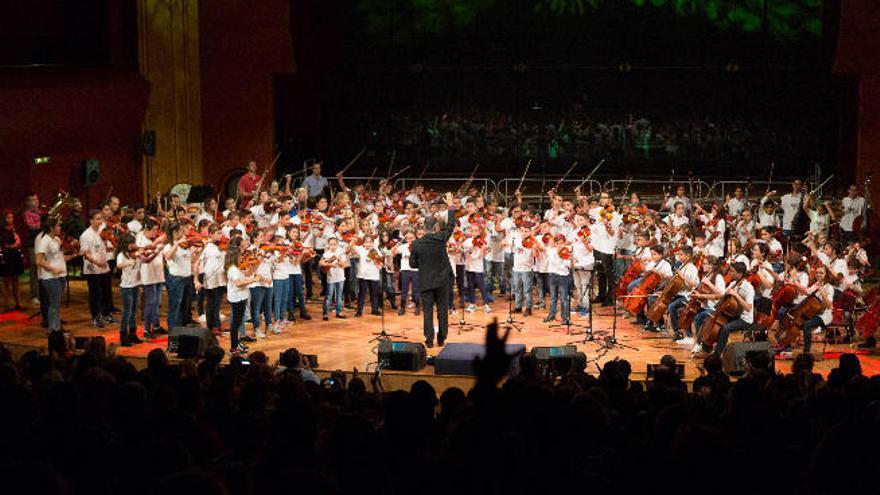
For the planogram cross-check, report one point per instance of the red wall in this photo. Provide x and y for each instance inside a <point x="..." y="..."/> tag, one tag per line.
<point x="243" y="45"/>
<point x="70" y="115"/>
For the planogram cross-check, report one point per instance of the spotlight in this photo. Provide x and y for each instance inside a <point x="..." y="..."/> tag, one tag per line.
<point x="520" y="67"/>
<point x="42" y="160"/>
<point x="732" y="67"/>
<point x="624" y="67"/>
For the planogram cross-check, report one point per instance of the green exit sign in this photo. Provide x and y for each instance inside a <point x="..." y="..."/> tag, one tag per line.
<point x="42" y="160"/>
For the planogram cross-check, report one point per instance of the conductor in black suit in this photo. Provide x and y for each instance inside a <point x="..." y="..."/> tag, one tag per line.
<point x="430" y="257"/>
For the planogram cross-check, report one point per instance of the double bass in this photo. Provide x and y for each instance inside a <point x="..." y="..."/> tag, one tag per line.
<point x="628" y="276"/>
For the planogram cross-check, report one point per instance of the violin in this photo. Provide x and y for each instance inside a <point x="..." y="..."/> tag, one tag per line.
<point x="528" y="242"/>
<point x="564" y="252"/>
<point x="326" y="269"/>
<point x="458" y="236"/>
<point x="248" y="260"/>
<point x="108" y="235"/>
<point x="783" y="296"/>
<point x="479" y="242"/>
<point x="375" y="257"/>
<point x="584" y="232"/>
<point x="223" y="243"/>
<point x="638" y="298"/>
<point x="70" y="245"/>
<point x="273" y="248"/>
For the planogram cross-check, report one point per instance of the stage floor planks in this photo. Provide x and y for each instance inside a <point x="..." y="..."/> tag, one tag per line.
<point x="348" y="343"/>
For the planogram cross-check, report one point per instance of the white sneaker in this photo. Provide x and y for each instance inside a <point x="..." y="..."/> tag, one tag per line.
<point x="276" y="328"/>
<point x="471" y="308"/>
<point x="35" y="302"/>
<point x="696" y="348"/>
<point x="454" y="311"/>
<point x="261" y="334"/>
<point x="687" y="341"/>
<point x="487" y="309"/>
<point x="222" y="317"/>
<point x="818" y="331"/>
<point x="203" y="318"/>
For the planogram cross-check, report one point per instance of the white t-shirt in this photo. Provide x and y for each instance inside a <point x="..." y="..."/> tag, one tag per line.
<point x="791" y="203"/>
<point x="235" y="293"/>
<point x="827" y="314"/>
<point x="51" y="249"/>
<point x="130" y="269"/>
<point x="179" y="264"/>
<point x="90" y="242"/>
<point x="736" y="206"/>
<point x="747" y="292"/>
<point x="523" y="258"/>
<point x="367" y="268"/>
<point x="473" y="259"/>
<point x="819" y="223"/>
<point x="691" y="274"/>
<point x="211" y="265"/>
<point x="852" y="207"/>
<point x="557" y="265"/>
<point x="134" y="226"/>
<point x="803" y="278"/>
<point x="403" y="251"/>
<point x="719" y="285"/>
<point x="336" y="274"/>
<point x="154" y="271"/>
<point x="583" y="259"/>
<point x="264" y="269"/>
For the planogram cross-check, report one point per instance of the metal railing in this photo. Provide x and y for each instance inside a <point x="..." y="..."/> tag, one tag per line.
<point x="533" y="188"/>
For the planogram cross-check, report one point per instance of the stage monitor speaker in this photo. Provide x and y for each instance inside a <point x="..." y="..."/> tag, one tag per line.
<point x="190" y="342"/>
<point x="91" y="171"/>
<point x="735" y="357"/>
<point x="148" y="143"/>
<point x="649" y="371"/>
<point x="82" y="343"/>
<point x="401" y="356"/>
<point x="558" y="360"/>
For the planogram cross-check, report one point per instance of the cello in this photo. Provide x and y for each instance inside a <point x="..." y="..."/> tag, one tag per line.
<point x="792" y="325"/>
<point x="783" y="296"/>
<point x="726" y="309"/>
<point x="639" y="297"/>
<point x="631" y="273"/>
<point x="686" y="314"/>
<point x="668" y="294"/>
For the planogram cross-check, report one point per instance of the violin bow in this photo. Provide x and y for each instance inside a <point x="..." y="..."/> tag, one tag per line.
<point x="523" y="177"/>
<point x="590" y="175"/>
<point x="353" y="160"/>
<point x="558" y="182"/>
<point x="470" y="179"/>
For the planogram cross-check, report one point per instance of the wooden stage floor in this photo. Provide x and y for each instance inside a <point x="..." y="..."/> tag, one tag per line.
<point x="345" y="344"/>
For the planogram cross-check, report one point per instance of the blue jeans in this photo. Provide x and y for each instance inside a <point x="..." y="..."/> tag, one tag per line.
<point x="673" y="308"/>
<point x="176" y="286"/>
<point x="543" y="282"/>
<point x="521" y="283"/>
<point x="151" y="307"/>
<point x="700" y="318"/>
<point x="560" y="285"/>
<point x="334" y="296"/>
<point x="296" y="294"/>
<point x="54" y="288"/>
<point x="261" y="301"/>
<point x="495" y="276"/>
<point x="621" y="264"/>
<point x="280" y="298"/>
<point x="477" y="280"/>
<point x="409" y="282"/>
<point x="128" y="326"/>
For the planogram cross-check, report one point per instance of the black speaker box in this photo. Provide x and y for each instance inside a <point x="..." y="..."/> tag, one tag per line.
<point x="91" y="171"/>
<point x="401" y="356"/>
<point x="734" y="358"/>
<point x="190" y="342"/>
<point x="558" y="360"/>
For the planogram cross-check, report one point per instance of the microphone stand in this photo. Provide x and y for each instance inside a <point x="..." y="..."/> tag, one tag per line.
<point x="382" y="334"/>
<point x="511" y="322"/>
<point x="462" y="325"/>
<point x="610" y="341"/>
